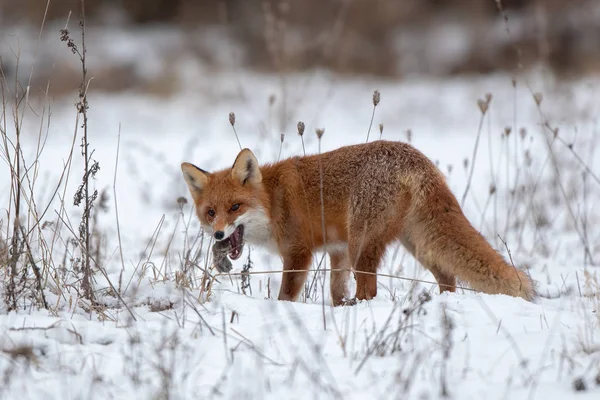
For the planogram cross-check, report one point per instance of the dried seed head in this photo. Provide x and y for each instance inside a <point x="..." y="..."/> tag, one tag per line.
<point x="507" y="130"/>
<point x="538" y="98"/>
<point x="514" y="82"/>
<point x="483" y="106"/>
<point x="271" y="100"/>
<point x="450" y="168"/>
<point x="381" y="129"/>
<point x="466" y="163"/>
<point x="320" y="132"/>
<point x="64" y="35"/>
<point x="555" y="132"/>
<point x="232" y="118"/>
<point x="300" y="128"/>
<point x="408" y="135"/>
<point x="376" y="97"/>
<point x="181" y="201"/>
<point x="282" y="137"/>
<point x="492" y="189"/>
<point x="528" y="158"/>
<point x="523" y="133"/>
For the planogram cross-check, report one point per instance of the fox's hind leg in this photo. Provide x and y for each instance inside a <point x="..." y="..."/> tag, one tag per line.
<point x="292" y="282"/>
<point x="446" y="282"/>
<point x="339" y="279"/>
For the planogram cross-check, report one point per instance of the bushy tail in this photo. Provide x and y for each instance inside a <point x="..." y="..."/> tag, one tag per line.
<point x="483" y="267"/>
<point x="441" y="236"/>
<point x="459" y="250"/>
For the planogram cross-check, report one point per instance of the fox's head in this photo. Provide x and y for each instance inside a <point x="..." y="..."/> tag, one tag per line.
<point x="231" y="204"/>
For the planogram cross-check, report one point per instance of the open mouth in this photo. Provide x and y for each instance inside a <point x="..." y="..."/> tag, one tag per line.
<point x="236" y="243"/>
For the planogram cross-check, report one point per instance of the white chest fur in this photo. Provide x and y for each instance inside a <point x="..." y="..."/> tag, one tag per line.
<point x="257" y="229"/>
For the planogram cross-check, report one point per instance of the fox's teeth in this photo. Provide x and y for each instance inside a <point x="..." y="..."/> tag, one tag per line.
<point x="236" y="242"/>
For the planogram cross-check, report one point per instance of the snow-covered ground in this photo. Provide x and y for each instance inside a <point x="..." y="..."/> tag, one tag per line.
<point x="404" y="344"/>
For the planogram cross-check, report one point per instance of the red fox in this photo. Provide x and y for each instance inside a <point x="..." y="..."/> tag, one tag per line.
<point x="351" y="203"/>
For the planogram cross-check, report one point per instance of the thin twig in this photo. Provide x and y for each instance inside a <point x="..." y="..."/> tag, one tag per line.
<point x="214" y="277"/>
<point x="116" y="203"/>
<point x="464" y="196"/>
<point x="324" y="233"/>
<point x="579" y="159"/>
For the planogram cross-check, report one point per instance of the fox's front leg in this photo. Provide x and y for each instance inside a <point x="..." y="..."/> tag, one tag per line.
<point x="292" y="282"/>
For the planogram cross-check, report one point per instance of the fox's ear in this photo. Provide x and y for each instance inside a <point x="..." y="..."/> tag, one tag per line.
<point x="245" y="168"/>
<point x="195" y="177"/>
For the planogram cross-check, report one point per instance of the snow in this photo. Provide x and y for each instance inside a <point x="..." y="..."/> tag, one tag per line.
<point x="188" y="344"/>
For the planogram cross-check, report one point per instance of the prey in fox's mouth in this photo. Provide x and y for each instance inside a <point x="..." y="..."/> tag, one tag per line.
<point x="234" y="244"/>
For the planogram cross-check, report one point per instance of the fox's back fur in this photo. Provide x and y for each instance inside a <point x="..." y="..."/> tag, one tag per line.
<point x="354" y="201"/>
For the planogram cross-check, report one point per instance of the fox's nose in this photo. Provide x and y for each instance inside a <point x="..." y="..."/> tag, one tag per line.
<point x="219" y="235"/>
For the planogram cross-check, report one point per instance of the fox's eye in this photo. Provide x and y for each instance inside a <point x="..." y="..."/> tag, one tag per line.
<point x="211" y="212"/>
<point x="235" y="207"/>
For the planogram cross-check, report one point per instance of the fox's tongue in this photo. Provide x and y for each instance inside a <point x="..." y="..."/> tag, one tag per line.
<point x="235" y="241"/>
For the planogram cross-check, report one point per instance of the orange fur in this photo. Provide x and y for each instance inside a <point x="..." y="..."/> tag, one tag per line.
<point x="373" y="194"/>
